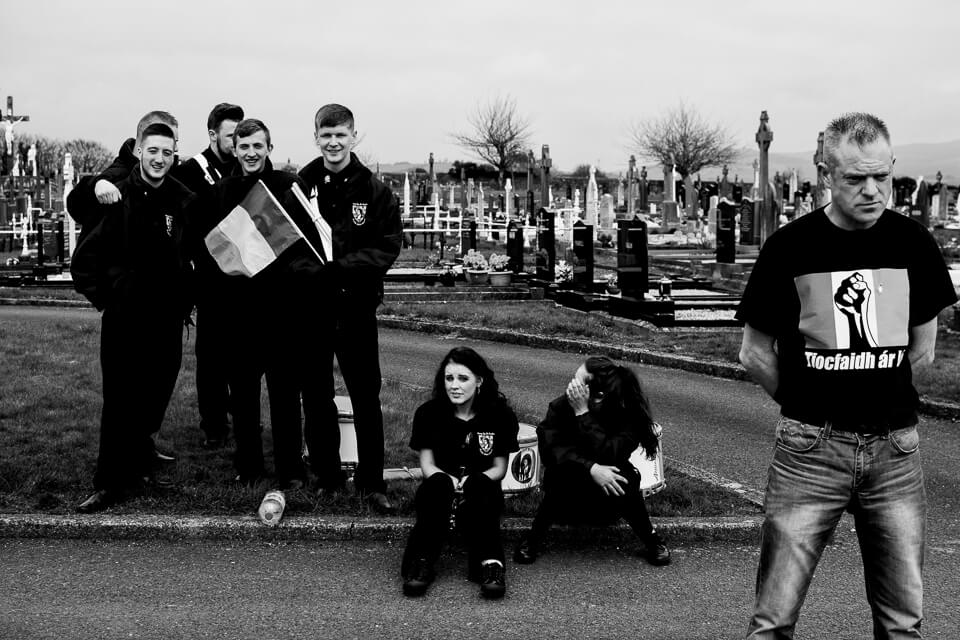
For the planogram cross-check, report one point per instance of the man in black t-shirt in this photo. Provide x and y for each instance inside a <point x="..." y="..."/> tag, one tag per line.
<point x="840" y="308"/>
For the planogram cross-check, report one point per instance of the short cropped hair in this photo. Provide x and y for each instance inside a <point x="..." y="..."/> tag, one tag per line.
<point x="151" y="117"/>
<point x="221" y="112"/>
<point x="861" y="128"/>
<point x="333" y="115"/>
<point x="156" y="129"/>
<point x="249" y="127"/>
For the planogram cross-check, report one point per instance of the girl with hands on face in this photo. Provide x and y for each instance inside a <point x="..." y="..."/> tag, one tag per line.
<point x="464" y="434"/>
<point x="585" y="443"/>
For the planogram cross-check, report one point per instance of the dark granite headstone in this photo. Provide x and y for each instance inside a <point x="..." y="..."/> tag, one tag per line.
<point x="633" y="270"/>
<point x="583" y="252"/>
<point x="468" y="236"/>
<point x="515" y="246"/>
<point x="546" y="245"/>
<point x="737" y="192"/>
<point x="726" y="232"/>
<point x="748" y="221"/>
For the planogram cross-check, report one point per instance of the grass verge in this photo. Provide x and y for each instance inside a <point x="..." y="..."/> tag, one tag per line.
<point x="49" y="426"/>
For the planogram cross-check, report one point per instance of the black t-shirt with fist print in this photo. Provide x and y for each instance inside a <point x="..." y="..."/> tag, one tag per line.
<point x="840" y="305"/>
<point x="467" y="445"/>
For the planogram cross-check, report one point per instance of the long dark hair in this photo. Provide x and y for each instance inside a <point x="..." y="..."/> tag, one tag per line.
<point x="623" y="398"/>
<point x="488" y="396"/>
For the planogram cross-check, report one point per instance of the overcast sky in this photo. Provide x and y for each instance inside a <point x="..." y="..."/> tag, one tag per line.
<point x="412" y="71"/>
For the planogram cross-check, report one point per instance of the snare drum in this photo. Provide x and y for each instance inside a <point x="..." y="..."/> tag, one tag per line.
<point x="651" y="471"/>
<point x="523" y="466"/>
<point x="348" y="435"/>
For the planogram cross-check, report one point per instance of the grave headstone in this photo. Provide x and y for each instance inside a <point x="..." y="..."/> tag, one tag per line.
<point x="468" y="236"/>
<point x="621" y="193"/>
<point x="515" y="246"/>
<point x="821" y="195"/>
<point x="633" y="271"/>
<point x="725" y="189"/>
<point x="737" y="192"/>
<point x="546" y="247"/>
<point x="691" y="198"/>
<point x="767" y="222"/>
<point x="592" y="209"/>
<point x="726" y="232"/>
<point x="507" y="197"/>
<point x="643" y="192"/>
<point x="583" y="256"/>
<point x="608" y="213"/>
<point x="923" y="202"/>
<point x="747" y="209"/>
<point x="545" y="164"/>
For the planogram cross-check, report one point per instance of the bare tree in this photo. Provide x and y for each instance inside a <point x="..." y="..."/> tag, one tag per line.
<point x="88" y="156"/>
<point x="498" y="134"/>
<point x="683" y="138"/>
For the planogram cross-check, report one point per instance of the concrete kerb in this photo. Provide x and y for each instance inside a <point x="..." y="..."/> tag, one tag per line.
<point x="744" y="529"/>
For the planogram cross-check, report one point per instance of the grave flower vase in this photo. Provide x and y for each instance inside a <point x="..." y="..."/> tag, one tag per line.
<point x="475" y="276"/>
<point x="500" y="278"/>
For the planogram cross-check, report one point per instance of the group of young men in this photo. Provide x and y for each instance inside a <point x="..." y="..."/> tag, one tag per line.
<point x="143" y="261"/>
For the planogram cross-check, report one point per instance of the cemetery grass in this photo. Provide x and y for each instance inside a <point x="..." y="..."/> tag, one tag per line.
<point x="721" y="344"/>
<point x="49" y="426"/>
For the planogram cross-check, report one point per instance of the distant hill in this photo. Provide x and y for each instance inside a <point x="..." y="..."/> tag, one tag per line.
<point x="921" y="159"/>
<point x="439" y="166"/>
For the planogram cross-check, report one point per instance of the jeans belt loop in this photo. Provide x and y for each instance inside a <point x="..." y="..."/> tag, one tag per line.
<point x="827" y="429"/>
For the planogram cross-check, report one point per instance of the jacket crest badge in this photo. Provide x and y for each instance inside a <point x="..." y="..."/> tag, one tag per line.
<point x="169" y="219"/>
<point x="485" y="441"/>
<point x="359" y="213"/>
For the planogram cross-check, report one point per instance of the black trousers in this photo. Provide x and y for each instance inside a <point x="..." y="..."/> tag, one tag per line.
<point x="246" y="369"/>
<point x="213" y="390"/>
<point x="571" y="495"/>
<point x="477" y="519"/>
<point x="350" y="334"/>
<point x="140" y="355"/>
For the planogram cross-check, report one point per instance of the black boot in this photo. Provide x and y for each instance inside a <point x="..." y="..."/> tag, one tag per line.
<point x="526" y="552"/>
<point x="418" y="577"/>
<point x="657" y="552"/>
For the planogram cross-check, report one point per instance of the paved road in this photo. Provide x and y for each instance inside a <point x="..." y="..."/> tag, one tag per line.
<point x="85" y="589"/>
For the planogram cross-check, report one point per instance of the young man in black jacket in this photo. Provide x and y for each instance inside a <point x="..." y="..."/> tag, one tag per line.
<point x="104" y="185"/>
<point x="265" y="314"/>
<point x="201" y="174"/>
<point x="365" y="220"/>
<point x="142" y="271"/>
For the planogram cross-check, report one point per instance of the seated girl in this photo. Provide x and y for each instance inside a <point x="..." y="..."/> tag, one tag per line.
<point x="464" y="434"/>
<point x="585" y="443"/>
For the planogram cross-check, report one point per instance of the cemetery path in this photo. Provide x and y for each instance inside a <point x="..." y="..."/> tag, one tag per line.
<point x="212" y="589"/>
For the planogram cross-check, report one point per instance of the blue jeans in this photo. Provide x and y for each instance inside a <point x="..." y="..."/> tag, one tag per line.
<point x="816" y="475"/>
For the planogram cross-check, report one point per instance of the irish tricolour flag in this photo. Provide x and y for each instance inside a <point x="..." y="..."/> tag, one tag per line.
<point x="253" y="235"/>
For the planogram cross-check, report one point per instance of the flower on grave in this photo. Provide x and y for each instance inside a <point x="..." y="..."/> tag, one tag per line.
<point x="474" y="261"/>
<point x="563" y="272"/>
<point x="499" y="262"/>
<point x="612" y="279"/>
<point x="433" y="260"/>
